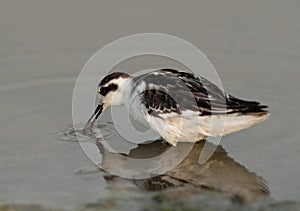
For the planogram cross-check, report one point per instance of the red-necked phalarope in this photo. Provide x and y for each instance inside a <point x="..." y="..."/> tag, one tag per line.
<point x="177" y="104"/>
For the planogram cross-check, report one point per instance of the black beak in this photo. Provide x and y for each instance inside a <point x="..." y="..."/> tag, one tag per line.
<point x="96" y="114"/>
<point x="98" y="110"/>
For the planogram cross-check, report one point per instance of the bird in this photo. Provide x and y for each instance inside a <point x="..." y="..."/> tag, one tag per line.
<point x="177" y="104"/>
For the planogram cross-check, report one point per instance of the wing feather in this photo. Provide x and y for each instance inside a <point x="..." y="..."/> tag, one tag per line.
<point x="170" y="90"/>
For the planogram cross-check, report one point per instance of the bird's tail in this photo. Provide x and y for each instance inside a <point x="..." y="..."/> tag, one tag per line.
<point x="244" y="114"/>
<point x="236" y="122"/>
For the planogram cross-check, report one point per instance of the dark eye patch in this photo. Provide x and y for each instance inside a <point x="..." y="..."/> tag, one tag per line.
<point x="105" y="90"/>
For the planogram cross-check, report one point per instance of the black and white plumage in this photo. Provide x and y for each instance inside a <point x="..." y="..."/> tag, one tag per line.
<point x="180" y="106"/>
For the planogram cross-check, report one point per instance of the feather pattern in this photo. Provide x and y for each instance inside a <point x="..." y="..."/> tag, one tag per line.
<point x="170" y="91"/>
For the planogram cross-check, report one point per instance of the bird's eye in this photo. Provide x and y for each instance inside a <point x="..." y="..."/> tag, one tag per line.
<point x="104" y="90"/>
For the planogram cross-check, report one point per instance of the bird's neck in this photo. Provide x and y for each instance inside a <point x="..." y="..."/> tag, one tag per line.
<point x="125" y="89"/>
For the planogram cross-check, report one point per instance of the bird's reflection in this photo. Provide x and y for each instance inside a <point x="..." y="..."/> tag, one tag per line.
<point x="220" y="173"/>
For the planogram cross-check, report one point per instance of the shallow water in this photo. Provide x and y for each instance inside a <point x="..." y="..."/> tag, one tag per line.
<point x="253" y="46"/>
<point x="220" y="173"/>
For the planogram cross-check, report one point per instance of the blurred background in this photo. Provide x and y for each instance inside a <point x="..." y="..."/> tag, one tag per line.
<point x="254" y="46"/>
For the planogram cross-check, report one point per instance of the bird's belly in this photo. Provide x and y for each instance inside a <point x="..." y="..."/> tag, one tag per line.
<point x="178" y="129"/>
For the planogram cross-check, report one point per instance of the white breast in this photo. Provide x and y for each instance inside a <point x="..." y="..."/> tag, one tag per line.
<point x="135" y="108"/>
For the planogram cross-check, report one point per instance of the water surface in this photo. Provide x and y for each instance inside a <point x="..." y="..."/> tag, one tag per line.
<point x="253" y="45"/>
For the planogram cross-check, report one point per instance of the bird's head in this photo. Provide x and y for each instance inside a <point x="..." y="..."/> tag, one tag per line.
<point x="111" y="91"/>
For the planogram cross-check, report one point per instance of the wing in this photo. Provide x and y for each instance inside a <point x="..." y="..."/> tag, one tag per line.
<point x="169" y="90"/>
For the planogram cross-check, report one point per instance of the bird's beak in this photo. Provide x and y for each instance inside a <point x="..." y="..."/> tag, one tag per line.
<point x="96" y="114"/>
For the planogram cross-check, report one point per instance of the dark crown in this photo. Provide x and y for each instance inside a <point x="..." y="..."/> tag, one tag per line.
<point x="112" y="76"/>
